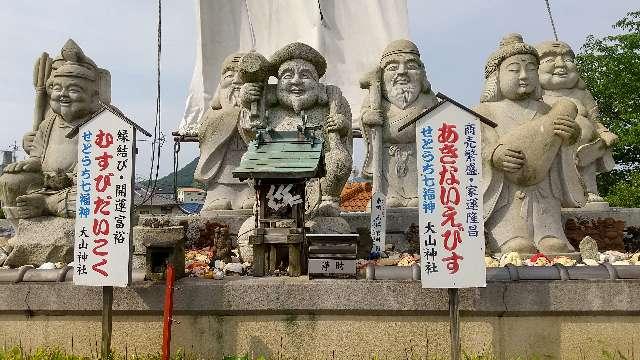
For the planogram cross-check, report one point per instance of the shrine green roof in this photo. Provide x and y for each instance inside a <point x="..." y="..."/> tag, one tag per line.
<point x="283" y="154"/>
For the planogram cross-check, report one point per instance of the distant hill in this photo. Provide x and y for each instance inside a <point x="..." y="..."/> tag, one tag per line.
<point x="185" y="179"/>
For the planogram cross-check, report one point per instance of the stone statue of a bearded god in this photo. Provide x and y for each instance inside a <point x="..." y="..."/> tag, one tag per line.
<point x="405" y="93"/>
<point x="299" y="98"/>
<point x="43" y="183"/>
<point x="529" y="170"/>
<point x="559" y="79"/>
<point x="221" y="145"/>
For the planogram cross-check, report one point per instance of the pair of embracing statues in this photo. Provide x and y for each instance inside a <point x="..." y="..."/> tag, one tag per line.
<point x="522" y="84"/>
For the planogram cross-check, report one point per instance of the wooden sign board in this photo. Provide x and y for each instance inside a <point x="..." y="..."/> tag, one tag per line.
<point x="450" y="190"/>
<point x="378" y="222"/>
<point x="104" y="201"/>
<point x="332" y="267"/>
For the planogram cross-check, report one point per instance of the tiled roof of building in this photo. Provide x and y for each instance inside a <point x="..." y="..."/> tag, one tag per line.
<point x="355" y="196"/>
<point x="158" y="199"/>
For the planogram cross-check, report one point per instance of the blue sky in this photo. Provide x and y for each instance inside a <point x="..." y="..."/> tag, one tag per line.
<point x="455" y="38"/>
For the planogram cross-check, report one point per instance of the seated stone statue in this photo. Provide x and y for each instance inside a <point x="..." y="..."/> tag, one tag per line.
<point x="522" y="213"/>
<point x="406" y="93"/>
<point x="43" y="183"/>
<point x="221" y="145"/>
<point x="559" y="79"/>
<point x="300" y="98"/>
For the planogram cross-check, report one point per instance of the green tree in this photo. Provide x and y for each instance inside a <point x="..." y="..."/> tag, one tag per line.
<point x="610" y="66"/>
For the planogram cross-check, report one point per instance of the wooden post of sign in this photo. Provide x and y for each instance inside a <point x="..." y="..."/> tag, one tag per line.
<point x="107" y="306"/>
<point x="454" y="323"/>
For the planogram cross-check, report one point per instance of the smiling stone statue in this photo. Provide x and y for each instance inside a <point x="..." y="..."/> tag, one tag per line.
<point x="299" y="98"/>
<point x="405" y="94"/>
<point x="559" y="79"/>
<point x="43" y="184"/>
<point x="221" y="145"/>
<point x="529" y="171"/>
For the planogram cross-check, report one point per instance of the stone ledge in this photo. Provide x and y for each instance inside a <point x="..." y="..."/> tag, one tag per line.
<point x="302" y="296"/>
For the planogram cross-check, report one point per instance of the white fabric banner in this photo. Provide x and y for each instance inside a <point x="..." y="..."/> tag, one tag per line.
<point x="350" y="34"/>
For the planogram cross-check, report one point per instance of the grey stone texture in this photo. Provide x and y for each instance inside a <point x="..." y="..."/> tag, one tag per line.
<point x="42" y="239"/>
<point x="43" y="183"/>
<point x="221" y="145"/>
<point x="529" y="170"/>
<point x="328" y="225"/>
<point x="300" y="98"/>
<point x="398" y="92"/>
<point x="589" y="249"/>
<point x="559" y="78"/>
<point x="246" y="295"/>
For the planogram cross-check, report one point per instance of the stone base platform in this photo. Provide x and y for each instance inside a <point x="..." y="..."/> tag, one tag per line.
<point x="297" y="318"/>
<point x="400" y="219"/>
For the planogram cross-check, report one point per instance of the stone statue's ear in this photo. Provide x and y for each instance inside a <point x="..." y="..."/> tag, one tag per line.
<point x="538" y="92"/>
<point x="215" y="102"/>
<point x="491" y="91"/>
<point x="104" y="85"/>
<point x="426" y="85"/>
<point x="323" y="97"/>
<point x="581" y="84"/>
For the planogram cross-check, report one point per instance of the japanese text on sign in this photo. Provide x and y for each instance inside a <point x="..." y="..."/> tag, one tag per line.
<point x="101" y="255"/>
<point x="450" y="212"/>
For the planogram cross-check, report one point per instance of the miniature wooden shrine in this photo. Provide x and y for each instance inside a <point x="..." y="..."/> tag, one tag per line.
<point x="280" y="163"/>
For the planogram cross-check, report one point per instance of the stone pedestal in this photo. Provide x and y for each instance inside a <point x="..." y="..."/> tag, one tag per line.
<point x="154" y="246"/>
<point x="40" y="240"/>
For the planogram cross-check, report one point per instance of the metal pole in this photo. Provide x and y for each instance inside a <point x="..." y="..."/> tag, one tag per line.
<point x="168" y="313"/>
<point x="107" y="306"/>
<point x="454" y="323"/>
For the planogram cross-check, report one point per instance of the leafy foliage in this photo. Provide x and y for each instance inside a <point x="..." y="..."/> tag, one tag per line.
<point x="610" y="67"/>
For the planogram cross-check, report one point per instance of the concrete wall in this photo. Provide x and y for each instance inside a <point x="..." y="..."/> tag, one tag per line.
<point x="348" y="336"/>
<point x="302" y="319"/>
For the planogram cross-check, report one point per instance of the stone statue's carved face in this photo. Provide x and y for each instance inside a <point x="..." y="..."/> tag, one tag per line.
<point x="403" y="76"/>
<point x="298" y="86"/>
<point x="73" y="98"/>
<point x="558" y="71"/>
<point x="518" y="76"/>
<point x="230" y="89"/>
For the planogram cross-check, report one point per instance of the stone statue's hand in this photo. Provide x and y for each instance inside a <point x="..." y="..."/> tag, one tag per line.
<point x="372" y="118"/>
<point x="566" y="128"/>
<point x="335" y="122"/>
<point x="508" y="160"/>
<point x="609" y="138"/>
<point x="27" y="141"/>
<point x="256" y="123"/>
<point x="249" y="93"/>
<point x="23" y="166"/>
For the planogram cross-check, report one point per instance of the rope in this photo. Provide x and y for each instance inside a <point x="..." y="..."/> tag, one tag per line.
<point x="176" y="151"/>
<point x="553" y="25"/>
<point x="156" y="144"/>
<point x="251" y="30"/>
<point x="320" y="10"/>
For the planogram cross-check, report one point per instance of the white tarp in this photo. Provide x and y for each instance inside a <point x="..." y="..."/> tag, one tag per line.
<point x="350" y="34"/>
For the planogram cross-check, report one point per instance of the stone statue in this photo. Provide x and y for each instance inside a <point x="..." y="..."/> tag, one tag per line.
<point x="44" y="183"/>
<point x="221" y="145"/>
<point x="529" y="170"/>
<point x="559" y="79"/>
<point x="405" y="94"/>
<point x="300" y="98"/>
